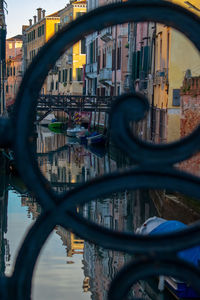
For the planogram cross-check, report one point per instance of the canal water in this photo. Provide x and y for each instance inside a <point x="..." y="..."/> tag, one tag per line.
<point x="69" y="267"/>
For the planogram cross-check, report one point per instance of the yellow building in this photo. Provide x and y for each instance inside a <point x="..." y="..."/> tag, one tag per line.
<point x="40" y="30"/>
<point x="175" y="58"/>
<point x="75" y="245"/>
<point x="71" y="63"/>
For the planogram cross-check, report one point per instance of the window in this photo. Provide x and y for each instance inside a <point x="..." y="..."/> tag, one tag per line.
<point x="56" y="85"/>
<point x="99" y="60"/>
<point x="78" y="14"/>
<point x="63" y="75"/>
<point x="118" y="90"/>
<point x="52" y="85"/>
<point x="6" y="88"/>
<point x="66" y="75"/>
<point x="176" y="97"/>
<point x="104" y="58"/>
<point x="91" y="53"/>
<point x="13" y="71"/>
<point x="57" y="27"/>
<point x="83" y="48"/>
<point x="119" y="58"/>
<point x="66" y="19"/>
<point x="113" y="59"/>
<point x="70" y="74"/>
<point x="18" y="44"/>
<point x="59" y="76"/>
<point x="79" y="74"/>
<point x="40" y="30"/>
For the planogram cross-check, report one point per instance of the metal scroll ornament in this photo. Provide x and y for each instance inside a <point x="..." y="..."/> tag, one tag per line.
<point x="154" y="169"/>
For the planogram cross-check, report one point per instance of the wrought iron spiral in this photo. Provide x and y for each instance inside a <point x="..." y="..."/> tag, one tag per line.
<point x="155" y="163"/>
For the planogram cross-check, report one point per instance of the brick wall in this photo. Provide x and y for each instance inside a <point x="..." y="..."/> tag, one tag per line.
<point x="190" y="118"/>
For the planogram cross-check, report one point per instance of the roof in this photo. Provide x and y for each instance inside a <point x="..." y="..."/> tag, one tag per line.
<point x="55" y="14"/>
<point x="79" y="2"/>
<point x="16" y="37"/>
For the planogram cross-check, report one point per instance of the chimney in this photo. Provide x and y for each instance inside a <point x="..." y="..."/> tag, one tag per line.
<point x="43" y="13"/>
<point x="39" y="13"/>
<point x="30" y="22"/>
<point x="34" y="18"/>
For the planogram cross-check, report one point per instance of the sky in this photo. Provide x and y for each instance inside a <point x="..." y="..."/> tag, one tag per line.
<point x="20" y="11"/>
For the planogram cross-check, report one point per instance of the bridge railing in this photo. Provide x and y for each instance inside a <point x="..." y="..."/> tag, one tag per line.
<point x="73" y="102"/>
<point x="155" y="163"/>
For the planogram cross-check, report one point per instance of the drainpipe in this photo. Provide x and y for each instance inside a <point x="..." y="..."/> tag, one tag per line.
<point x="130" y="57"/>
<point x="115" y="74"/>
<point x="154" y="60"/>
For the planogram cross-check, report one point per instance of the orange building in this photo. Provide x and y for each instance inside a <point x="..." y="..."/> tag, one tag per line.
<point x="39" y="31"/>
<point x="13" y="68"/>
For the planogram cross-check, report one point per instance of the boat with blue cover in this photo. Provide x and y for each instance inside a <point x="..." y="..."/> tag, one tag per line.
<point x="96" y="139"/>
<point x="156" y="225"/>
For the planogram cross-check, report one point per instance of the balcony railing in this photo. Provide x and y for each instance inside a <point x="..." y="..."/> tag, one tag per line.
<point x="106" y="34"/>
<point x="105" y="75"/>
<point x="91" y="70"/>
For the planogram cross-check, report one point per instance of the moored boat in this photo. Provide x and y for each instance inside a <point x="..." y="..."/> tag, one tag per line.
<point x="155" y="225"/>
<point x="82" y="136"/>
<point x="96" y="139"/>
<point x="47" y="120"/>
<point x="56" y="125"/>
<point x="73" y="131"/>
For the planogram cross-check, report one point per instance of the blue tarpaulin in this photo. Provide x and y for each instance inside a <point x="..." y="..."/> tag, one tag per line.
<point x="191" y="255"/>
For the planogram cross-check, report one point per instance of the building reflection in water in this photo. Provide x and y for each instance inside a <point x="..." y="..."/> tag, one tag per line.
<point x="70" y="164"/>
<point x="65" y="163"/>
<point x="4" y="243"/>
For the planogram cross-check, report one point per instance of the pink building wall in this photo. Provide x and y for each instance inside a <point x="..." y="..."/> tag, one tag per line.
<point x="142" y="33"/>
<point x="14" y="78"/>
<point x="190" y="119"/>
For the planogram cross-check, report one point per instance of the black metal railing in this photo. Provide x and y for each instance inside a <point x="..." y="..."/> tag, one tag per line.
<point x="155" y="163"/>
<point x="70" y="103"/>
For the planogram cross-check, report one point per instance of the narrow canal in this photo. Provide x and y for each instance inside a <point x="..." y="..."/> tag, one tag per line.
<point x="69" y="267"/>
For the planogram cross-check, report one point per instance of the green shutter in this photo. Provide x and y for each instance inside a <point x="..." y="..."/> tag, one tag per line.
<point x="91" y="53"/>
<point x="70" y="74"/>
<point x="83" y="48"/>
<point x="79" y="74"/>
<point x="146" y="60"/>
<point x="63" y="76"/>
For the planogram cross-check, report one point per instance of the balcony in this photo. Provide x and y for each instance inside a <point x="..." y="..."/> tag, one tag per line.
<point x="106" y="34"/>
<point x="105" y="76"/>
<point x="91" y="70"/>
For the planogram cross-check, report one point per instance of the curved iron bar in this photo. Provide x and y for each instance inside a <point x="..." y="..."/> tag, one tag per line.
<point x="132" y="108"/>
<point x="61" y="209"/>
<point x="152" y="266"/>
